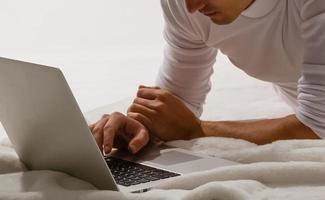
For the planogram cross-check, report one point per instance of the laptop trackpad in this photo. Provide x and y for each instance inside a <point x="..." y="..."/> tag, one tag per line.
<point x="173" y="158"/>
<point x="184" y="163"/>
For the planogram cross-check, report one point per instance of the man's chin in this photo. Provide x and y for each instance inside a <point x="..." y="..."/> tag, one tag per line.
<point x="222" y="20"/>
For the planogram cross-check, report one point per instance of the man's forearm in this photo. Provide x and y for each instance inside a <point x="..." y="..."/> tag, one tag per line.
<point x="261" y="131"/>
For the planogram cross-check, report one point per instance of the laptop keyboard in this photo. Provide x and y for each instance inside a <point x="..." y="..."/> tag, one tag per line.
<point x="128" y="173"/>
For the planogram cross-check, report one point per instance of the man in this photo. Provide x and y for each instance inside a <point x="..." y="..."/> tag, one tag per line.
<point x="279" y="41"/>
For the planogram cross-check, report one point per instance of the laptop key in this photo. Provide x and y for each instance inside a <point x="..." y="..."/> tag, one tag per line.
<point x="135" y="183"/>
<point x="144" y="180"/>
<point x="126" y="184"/>
<point x="153" y="178"/>
<point x="128" y="173"/>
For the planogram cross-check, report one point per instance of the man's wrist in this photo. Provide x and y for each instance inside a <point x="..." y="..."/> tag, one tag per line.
<point x="198" y="132"/>
<point x="213" y="129"/>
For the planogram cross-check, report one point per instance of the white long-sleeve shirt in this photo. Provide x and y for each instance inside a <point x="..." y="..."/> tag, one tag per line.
<point x="279" y="41"/>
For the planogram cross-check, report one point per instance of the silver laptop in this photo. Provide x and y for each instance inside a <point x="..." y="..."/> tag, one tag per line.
<point x="49" y="132"/>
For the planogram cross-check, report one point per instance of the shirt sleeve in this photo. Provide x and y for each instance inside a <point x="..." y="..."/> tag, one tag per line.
<point x="188" y="62"/>
<point x="311" y="87"/>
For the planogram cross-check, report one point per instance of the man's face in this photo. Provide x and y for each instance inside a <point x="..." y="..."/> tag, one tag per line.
<point x="220" y="11"/>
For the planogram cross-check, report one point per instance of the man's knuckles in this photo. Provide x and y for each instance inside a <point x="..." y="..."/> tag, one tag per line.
<point x="108" y="128"/>
<point x="136" y="116"/>
<point x="97" y="130"/>
<point x="105" y="116"/>
<point x="163" y="95"/>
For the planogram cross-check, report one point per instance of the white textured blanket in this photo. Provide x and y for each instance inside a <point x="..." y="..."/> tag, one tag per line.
<point x="282" y="170"/>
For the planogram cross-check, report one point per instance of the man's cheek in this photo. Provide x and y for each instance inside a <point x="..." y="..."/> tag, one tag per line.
<point x="194" y="5"/>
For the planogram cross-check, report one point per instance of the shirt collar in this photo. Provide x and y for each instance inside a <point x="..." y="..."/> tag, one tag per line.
<point x="260" y="8"/>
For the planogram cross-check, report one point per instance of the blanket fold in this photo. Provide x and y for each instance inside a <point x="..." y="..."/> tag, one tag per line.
<point x="293" y="169"/>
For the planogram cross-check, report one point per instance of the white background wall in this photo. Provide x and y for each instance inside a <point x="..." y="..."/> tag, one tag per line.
<point x="95" y="42"/>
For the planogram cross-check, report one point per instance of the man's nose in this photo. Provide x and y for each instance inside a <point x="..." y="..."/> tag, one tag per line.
<point x="194" y="5"/>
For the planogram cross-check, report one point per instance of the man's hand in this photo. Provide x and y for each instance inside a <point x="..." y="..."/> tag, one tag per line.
<point x="164" y="114"/>
<point x="117" y="130"/>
